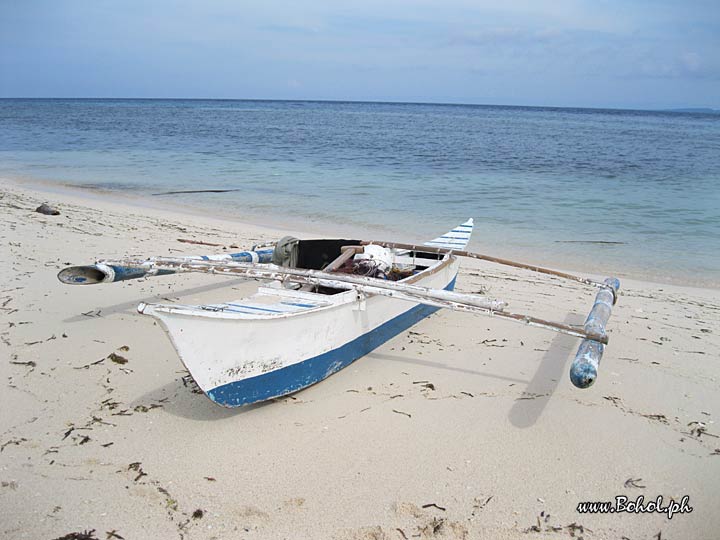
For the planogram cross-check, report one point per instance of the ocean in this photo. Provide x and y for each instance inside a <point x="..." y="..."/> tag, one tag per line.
<point x="605" y="191"/>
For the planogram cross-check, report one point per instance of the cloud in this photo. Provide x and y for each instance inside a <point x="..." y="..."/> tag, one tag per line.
<point x="517" y="51"/>
<point x="685" y="66"/>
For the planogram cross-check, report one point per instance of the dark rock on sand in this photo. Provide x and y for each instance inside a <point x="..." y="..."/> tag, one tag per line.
<point x="47" y="210"/>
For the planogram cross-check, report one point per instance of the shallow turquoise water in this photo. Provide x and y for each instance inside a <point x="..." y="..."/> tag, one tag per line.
<point x="537" y="180"/>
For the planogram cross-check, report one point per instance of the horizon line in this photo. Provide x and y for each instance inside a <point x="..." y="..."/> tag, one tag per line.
<point x="377" y="102"/>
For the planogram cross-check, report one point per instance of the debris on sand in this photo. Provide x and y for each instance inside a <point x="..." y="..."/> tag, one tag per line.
<point x="113" y="357"/>
<point x="47" y="210"/>
<point x="136" y="466"/>
<point x="197" y="242"/>
<point x="16" y="442"/>
<point x="634" y="482"/>
<point x="85" y="535"/>
<point x="117" y="358"/>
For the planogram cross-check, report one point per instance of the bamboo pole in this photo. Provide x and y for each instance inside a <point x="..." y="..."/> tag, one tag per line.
<point x="434" y="297"/>
<point x="317" y="277"/>
<point x="480" y="256"/>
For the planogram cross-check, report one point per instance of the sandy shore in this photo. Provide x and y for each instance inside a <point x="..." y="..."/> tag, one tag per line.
<point x="464" y="427"/>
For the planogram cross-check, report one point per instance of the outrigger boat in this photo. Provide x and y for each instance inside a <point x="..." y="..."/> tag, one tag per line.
<point x="324" y="304"/>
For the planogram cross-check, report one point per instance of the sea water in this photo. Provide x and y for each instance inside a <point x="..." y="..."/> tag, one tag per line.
<point x="611" y="191"/>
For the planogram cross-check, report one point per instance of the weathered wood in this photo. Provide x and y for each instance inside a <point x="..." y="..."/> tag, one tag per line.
<point x="197" y="242"/>
<point x="435" y="297"/>
<point x="480" y="256"/>
<point x="348" y="252"/>
<point x="323" y="279"/>
<point x="555" y="326"/>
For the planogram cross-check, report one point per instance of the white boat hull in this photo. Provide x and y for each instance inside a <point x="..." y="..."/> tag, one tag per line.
<point x="238" y="359"/>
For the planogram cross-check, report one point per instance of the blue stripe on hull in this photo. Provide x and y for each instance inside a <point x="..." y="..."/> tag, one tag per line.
<point x="298" y="376"/>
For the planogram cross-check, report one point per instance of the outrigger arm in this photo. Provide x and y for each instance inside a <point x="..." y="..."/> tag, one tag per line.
<point x="582" y="373"/>
<point x="471" y="303"/>
<point x="584" y="369"/>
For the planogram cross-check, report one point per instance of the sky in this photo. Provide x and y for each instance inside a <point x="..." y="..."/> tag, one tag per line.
<point x="647" y="54"/>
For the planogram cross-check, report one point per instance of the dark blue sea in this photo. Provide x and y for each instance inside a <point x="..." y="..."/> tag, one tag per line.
<point x="544" y="183"/>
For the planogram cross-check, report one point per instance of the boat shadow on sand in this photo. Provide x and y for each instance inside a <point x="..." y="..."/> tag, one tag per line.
<point x="526" y="411"/>
<point x="553" y="366"/>
<point x="180" y="400"/>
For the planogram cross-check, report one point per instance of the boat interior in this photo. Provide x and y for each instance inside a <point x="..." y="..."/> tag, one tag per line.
<point x="337" y="255"/>
<point x="350" y="257"/>
<point x="318" y="254"/>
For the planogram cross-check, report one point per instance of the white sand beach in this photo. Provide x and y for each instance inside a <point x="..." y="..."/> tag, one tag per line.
<point x="463" y="427"/>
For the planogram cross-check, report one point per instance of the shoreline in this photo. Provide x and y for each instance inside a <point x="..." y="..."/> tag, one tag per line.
<point x="305" y="228"/>
<point x="462" y="427"/>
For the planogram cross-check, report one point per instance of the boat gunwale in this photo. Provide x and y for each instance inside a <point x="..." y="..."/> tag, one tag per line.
<point x="340" y="299"/>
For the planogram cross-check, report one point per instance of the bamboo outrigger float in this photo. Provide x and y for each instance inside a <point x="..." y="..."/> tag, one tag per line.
<point x="326" y="304"/>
